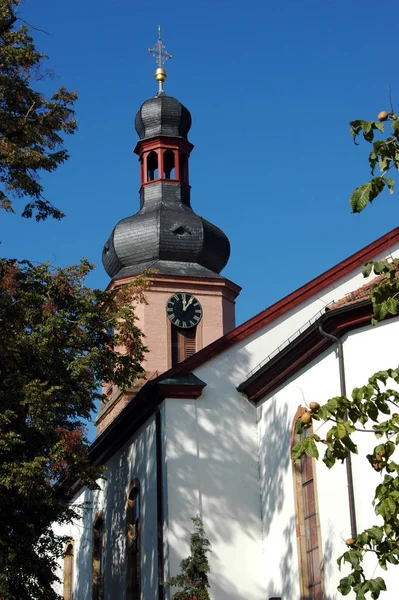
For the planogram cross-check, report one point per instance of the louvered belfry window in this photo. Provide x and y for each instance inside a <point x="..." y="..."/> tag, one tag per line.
<point x="183" y="343"/>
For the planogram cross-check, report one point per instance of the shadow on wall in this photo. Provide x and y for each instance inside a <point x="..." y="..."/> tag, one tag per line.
<point x="289" y="588"/>
<point x="329" y="565"/>
<point x="213" y="468"/>
<point x="275" y="469"/>
<point x="130" y="462"/>
<point x="275" y="459"/>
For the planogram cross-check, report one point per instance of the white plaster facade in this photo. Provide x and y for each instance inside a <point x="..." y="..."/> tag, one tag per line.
<point x="366" y="351"/>
<point x="135" y="459"/>
<point x="230" y="461"/>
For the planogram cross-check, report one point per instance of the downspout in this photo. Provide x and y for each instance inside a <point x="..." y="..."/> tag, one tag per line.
<point x="348" y="461"/>
<point x="158" y="438"/>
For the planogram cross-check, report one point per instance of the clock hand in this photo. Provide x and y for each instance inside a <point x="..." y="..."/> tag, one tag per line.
<point x="188" y="303"/>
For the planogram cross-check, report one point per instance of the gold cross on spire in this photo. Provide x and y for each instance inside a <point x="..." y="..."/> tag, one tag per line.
<point x="161" y="55"/>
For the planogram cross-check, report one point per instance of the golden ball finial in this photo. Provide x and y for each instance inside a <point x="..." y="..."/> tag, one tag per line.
<point x="160" y="75"/>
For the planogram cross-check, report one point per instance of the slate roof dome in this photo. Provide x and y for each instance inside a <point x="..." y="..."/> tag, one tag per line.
<point x="167" y="236"/>
<point x="162" y="115"/>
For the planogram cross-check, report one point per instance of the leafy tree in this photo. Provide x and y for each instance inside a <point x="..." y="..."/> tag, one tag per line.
<point x="59" y="340"/>
<point x="384" y="153"/>
<point x="373" y="409"/>
<point x="193" y="579"/>
<point x="31" y="125"/>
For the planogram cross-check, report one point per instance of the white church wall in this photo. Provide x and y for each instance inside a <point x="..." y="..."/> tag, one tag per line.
<point x="212" y="469"/>
<point x="135" y="460"/>
<point x="366" y="351"/>
<point x="278" y="564"/>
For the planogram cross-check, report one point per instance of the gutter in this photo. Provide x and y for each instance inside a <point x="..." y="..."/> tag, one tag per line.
<point x="303" y="349"/>
<point x="348" y="461"/>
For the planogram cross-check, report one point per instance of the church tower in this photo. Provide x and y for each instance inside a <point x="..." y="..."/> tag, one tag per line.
<point x="189" y="303"/>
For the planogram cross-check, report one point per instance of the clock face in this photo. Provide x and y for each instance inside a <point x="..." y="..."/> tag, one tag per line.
<point x="184" y="310"/>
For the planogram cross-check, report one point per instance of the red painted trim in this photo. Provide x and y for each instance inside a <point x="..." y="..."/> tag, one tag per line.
<point x="163" y="143"/>
<point x="286" y="304"/>
<point x="176" y="154"/>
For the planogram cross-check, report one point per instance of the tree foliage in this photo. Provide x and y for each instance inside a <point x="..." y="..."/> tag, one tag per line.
<point x="31" y="125"/>
<point x="372" y="409"/>
<point x="60" y="339"/>
<point x="384" y="153"/>
<point x="193" y="579"/>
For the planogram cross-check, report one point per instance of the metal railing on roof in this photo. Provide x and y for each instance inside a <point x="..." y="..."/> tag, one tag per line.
<point x="290" y="339"/>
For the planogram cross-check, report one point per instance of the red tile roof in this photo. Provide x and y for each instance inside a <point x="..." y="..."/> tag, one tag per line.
<point x="359" y="295"/>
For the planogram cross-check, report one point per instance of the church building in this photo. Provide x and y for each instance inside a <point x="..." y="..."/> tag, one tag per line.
<point x="209" y="430"/>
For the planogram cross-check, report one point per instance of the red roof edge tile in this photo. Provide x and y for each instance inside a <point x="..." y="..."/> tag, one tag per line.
<point x="358" y="295"/>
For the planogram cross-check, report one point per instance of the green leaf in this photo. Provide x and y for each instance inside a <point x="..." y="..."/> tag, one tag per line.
<point x="360" y="197"/>
<point x="390" y="183"/>
<point x="329" y="458"/>
<point x="395" y="128"/>
<point x="379" y="267"/>
<point x="350" y="444"/>
<point x="376" y="586"/>
<point x="375" y="533"/>
<point x="379" y="126"/>
<point x="341" y="431"/>
<point x="344" y="586"/>
<point x="382" y="310"/>
<point x="368" y="131"/>
<point x="367" y="268"/>
<point x="392" y="306"/>
<point x="366" y="193"/>
<point x="298" y="450"/>
<point x="311" y="448"/>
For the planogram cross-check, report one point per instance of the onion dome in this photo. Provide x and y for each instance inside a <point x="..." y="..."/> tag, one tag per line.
<point x="162" y="115"/>
<point x="168" y="236"/>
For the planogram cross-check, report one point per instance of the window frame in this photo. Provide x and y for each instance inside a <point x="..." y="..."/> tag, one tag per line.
<point x="304" y="554"/>
<point x="69" y="570"/>
<point x="98" y="564"/>
<point x="133" y="541"/>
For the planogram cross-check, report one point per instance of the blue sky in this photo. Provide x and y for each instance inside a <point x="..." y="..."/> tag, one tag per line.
<point x="271" y="85"/>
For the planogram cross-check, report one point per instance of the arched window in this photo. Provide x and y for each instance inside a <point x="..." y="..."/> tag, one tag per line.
<point x="68" y="571"/>
<point x="307" y="521"/>
<point x="98" y="558"/>
<point x="169" y="164"/>
<point x="133" y="556"/>
<point x="152" y="166"/>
